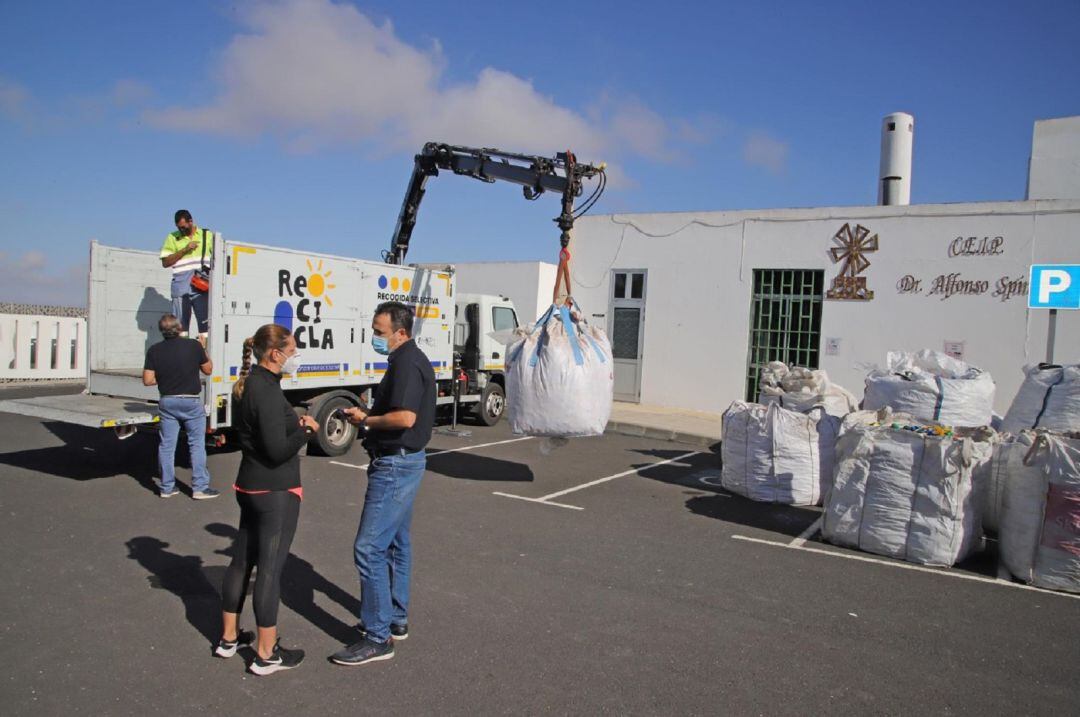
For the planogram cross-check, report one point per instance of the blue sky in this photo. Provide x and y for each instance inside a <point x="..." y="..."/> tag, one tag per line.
<point x="294" y="122"/>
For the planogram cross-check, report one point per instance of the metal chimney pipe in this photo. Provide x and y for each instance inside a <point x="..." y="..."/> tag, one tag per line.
<point x="894" y="182"/>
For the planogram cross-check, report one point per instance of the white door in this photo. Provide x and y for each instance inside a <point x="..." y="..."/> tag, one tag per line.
<point x="627" y="331"/>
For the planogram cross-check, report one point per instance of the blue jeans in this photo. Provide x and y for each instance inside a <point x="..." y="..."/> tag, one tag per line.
<point x="383" y="549"/>
<point x="189" y="412"/>
<point x="186" y="301"/>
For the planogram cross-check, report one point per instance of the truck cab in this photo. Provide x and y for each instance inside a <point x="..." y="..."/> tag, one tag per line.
<point x="479" y="321"/>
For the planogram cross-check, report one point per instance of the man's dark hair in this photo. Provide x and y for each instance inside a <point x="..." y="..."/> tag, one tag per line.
<point x="169" y="326"/>
<point x="401" y="316"/>
<point x="181" y="214"/>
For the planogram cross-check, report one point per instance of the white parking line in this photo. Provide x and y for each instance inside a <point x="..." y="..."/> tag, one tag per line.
<point x="537" y="500"/>
<point x="906" y="566"/>
<point x="349" y="465"/>
<point x="806" y="534"/>
<point x="546" y="499"/>
<point x="632" y="471"/>
<point x="439" y="452"/>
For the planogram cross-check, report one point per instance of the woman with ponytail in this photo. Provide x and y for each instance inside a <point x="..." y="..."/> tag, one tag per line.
<point x="269" y="493"/>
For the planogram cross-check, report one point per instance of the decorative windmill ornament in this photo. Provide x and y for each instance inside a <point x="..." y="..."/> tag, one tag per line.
<point x="851" y="248"/>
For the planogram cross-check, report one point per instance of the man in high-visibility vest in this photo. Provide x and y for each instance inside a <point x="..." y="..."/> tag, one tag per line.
<point x="186" y="251"/>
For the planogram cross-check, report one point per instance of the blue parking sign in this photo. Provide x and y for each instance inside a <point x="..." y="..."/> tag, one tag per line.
<point x="1054" y="286"/>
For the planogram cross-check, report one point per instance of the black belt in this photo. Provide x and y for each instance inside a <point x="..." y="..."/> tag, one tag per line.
<point x="375" y="453"/>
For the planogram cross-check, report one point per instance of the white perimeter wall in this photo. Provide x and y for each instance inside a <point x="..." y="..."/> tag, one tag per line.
<point x="527" y="283"/>
<point x="700" y="268"/>
<point x="1054" y="172"/>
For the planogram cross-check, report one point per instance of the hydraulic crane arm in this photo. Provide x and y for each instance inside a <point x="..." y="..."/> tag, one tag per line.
<point x="561" y="175"/>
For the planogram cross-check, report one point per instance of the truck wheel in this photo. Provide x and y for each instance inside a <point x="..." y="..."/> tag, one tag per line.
<point x="336" y="435"/>
<point x="492" y="404"/>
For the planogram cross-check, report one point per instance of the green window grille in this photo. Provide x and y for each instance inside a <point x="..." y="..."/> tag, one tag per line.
<point x="785" y="321"/>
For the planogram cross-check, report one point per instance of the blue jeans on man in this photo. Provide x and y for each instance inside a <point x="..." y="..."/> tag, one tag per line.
<point x="383" y="548"/>
<point x="186" y="412"/>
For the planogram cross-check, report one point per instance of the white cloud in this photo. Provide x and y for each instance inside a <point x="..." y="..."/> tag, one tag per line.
<point x="32" y="279"/>
<point x="763" y="150"/>
<point x="316" y="73"/>
<point x="35" y="114"/>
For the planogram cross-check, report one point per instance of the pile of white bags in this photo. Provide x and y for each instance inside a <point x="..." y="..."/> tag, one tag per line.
<point x="1049" y="398"/>
<point x="1039" y="538"/>
<point x="559" y="377"/>
<point x="905" y="494"/>
<point x="801" y="389"/>
<point x="774" y="455"/>
<point x="932" y="386"/>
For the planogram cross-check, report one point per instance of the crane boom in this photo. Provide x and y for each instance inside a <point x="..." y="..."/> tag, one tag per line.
<point x="561" y="174"/>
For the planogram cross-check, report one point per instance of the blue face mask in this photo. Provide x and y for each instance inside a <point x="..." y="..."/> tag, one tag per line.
<point x="381" y="345"/>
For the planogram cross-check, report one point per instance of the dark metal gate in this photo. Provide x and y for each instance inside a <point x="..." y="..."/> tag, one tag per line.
<point x="785" y="322"/>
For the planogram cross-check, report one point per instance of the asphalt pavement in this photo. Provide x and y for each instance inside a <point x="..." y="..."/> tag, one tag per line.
<point x="573" y="581"/>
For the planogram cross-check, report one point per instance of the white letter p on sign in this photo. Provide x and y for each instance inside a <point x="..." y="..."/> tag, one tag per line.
<point x="1053" y="281"/>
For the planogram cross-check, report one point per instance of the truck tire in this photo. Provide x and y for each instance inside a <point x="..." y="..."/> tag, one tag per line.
<point x="335" y="436"/>
<point x="492" y="404"/>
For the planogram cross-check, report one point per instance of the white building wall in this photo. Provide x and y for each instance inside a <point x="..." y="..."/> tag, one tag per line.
<point x="700" y="271"/>
<point x="1054" y="172"/>
<point x="527" y="283"/>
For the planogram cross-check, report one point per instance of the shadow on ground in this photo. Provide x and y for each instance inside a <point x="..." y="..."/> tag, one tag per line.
<point x="198" y="586"/>
<point x="299" y="583"/>
<point x="184" y="577"/>
<point x="470" y="466"/>
<point x="783" y="519"/>
<point x="91" y="453"/>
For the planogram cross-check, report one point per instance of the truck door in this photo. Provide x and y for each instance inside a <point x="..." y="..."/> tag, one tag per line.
<point x="470" y="355"/>
<point x="503" y="319"/>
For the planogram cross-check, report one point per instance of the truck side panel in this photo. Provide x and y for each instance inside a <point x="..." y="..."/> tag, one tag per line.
<point x="431" y="294"/>
<point x="129" y="292"/>
<point x="327" y="303"/>
<point x="314" y="296"/>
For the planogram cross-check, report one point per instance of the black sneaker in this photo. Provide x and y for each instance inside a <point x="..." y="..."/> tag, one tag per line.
<point x="280" y="659"/>
<point x="205" y="494"/>
<point x="225" y="648"/>
<point x="399" y="632"/>
<point x="363" y="652"/>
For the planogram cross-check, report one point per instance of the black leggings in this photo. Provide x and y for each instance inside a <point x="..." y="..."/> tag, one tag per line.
<point x="267" y="527"/>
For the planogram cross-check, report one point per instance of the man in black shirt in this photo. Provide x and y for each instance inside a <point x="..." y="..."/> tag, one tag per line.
<point x="399" y="428"/>
<point x="174" y="366"/>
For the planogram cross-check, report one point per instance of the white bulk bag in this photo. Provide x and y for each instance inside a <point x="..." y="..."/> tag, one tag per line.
<point x="932" y="386"/>
<point x="801" y="389"/>
<point x="1007" y="459"/>
<point x="904" y="494"/>
<point x="774" y="455"/>
<point x="1049" y="398"/>
<point x="559" y="377"/>
<point x="1039" y="537"/>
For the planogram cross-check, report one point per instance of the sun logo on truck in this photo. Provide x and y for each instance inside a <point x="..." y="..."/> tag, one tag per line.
<point x="318" y="282"/>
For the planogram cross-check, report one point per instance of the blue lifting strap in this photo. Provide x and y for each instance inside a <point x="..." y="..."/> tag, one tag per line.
<point x="571" y="335"/>
<point x="536" y="327"/>
<point x="940" y="398"/>
<point x="589" y="338"/>
<point x="596" y="347"/>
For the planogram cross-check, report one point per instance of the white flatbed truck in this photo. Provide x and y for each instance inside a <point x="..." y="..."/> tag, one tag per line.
<point x="326" y="301"/>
